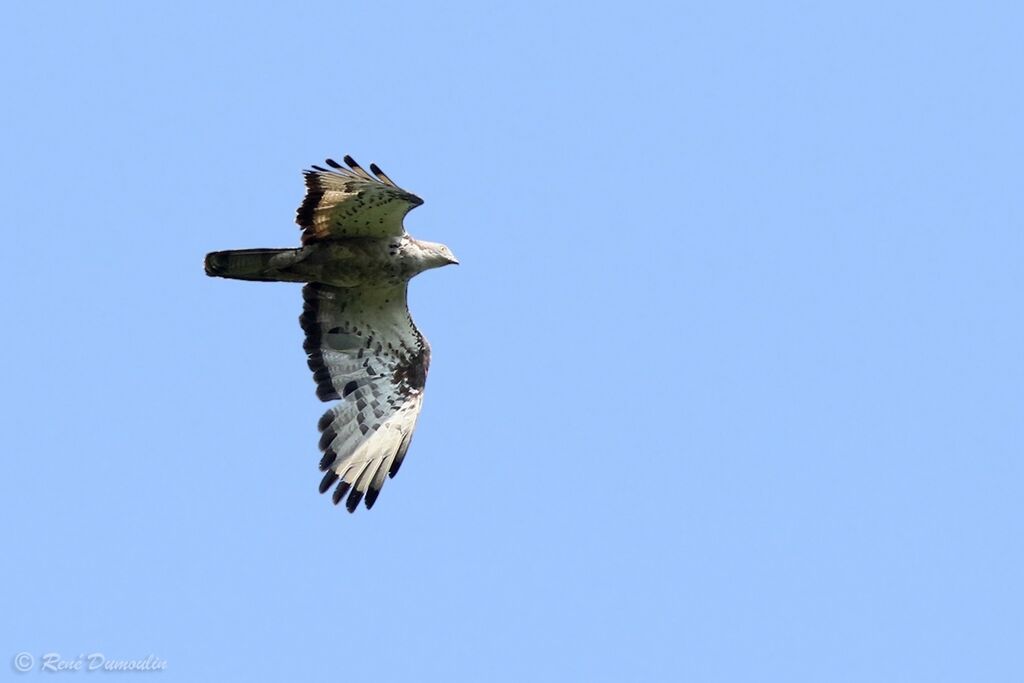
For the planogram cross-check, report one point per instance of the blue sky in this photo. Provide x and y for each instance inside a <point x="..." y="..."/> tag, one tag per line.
<point x="728" y="386"/>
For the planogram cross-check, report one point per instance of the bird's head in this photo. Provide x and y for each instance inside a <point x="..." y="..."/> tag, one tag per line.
<point x="435" y="254"/>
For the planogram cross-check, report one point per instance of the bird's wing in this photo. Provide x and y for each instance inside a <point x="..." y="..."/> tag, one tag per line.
<point x="365" y="351"/>
<point x="349" y="202"/>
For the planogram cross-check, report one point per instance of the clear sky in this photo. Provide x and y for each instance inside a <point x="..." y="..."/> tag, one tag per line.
<point x="728" y="386"/>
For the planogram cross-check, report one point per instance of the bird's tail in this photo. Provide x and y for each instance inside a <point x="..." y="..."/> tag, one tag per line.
<point x="265" y="265"/>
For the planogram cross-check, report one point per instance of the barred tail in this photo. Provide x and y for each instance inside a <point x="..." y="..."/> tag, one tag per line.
<point x="266" y="265"/>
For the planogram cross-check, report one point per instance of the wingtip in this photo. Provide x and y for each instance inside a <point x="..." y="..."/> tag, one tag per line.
<point x="353" y="500"/>
<point x="326" y="437"/>
<point x="328" y="481"/>
<point x="327" y="460"/>
<point x="339" y="492"/>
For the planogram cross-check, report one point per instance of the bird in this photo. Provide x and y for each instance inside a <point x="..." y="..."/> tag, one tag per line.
<point x="367" y="356"/>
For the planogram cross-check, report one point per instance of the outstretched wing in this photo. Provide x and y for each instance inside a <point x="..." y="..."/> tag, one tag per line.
<point x="349" y="202"/>
<point x="365" y="351"/>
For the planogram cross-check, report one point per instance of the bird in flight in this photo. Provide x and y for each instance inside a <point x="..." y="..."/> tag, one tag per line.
<point x="364" y="350"/>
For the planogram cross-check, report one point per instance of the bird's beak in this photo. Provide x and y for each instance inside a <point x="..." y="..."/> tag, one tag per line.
<point x="454" y="260"/>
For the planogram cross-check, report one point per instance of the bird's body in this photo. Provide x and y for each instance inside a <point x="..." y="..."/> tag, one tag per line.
<point x="348" y="262"/>
<point x="361" y="343"/>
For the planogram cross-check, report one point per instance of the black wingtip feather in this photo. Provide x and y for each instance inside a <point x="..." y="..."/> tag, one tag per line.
<point x="328" y="479"/>
<point x="332" y="163"/>
<point x="326" y="393"/>
<point x="395" y="465"/>
<point x="328" y="460"/>
<point x="400" y="456"/>
<point x="327" y="437"/>
<point x="371" y="497"/>
<point x="353" y="500"/>
<point x="339" y="492"/>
